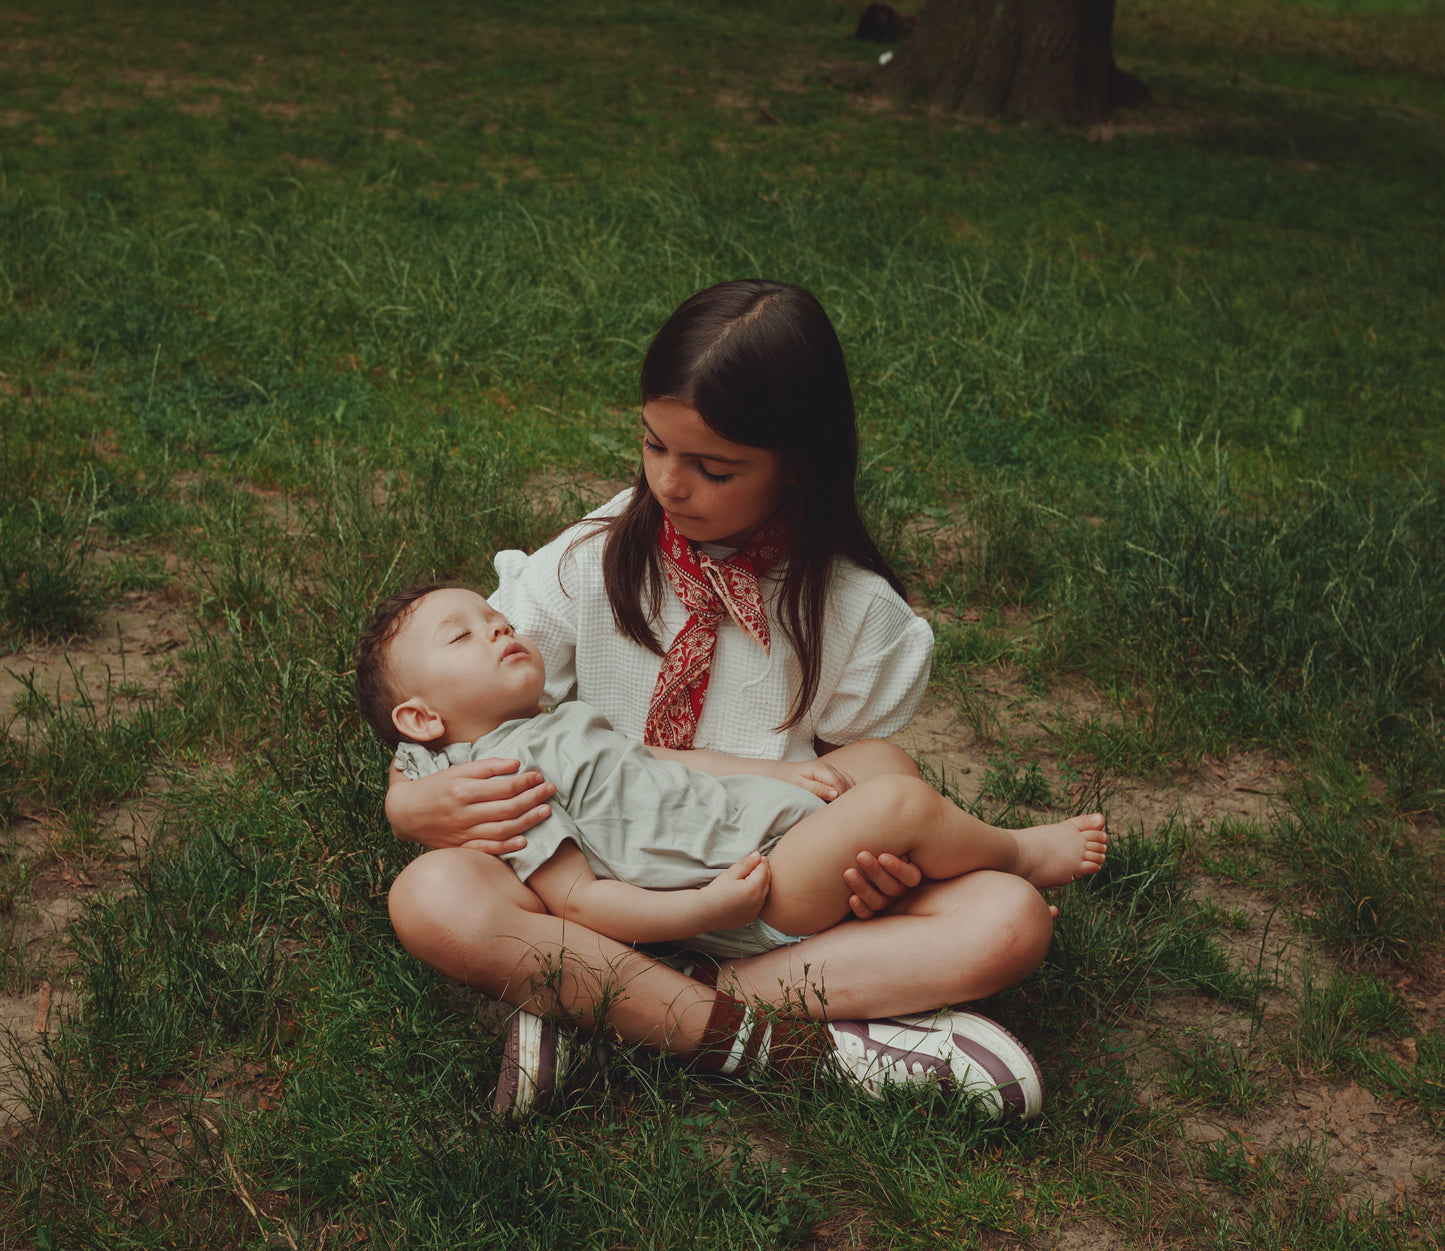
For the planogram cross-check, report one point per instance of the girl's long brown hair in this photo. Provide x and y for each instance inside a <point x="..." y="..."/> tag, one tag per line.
<point x="761" y="364"/>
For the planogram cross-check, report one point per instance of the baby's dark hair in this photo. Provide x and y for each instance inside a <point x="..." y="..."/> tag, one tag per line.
<point x="375" y="696"/>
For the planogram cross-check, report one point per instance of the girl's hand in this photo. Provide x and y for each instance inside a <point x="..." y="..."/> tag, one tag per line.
<point x="738" y="894"/>
<point x="879" y="882"/>
<point x="823" y="779"/>
<point x="484" y="804"/>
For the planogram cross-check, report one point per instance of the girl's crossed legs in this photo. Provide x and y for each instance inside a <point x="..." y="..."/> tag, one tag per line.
<point x="465" y="913"/>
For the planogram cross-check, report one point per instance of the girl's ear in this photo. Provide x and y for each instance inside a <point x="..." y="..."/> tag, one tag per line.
<point x="416" y="722"/>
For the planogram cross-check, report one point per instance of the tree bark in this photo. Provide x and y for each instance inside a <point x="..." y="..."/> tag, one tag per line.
<point x="1044" y="60"/>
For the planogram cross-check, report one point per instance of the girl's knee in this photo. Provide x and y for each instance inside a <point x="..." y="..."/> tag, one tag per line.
<point x="890" y="758"/>
<point x="455" y="886"/>
<point x="874" y="757"/>
<point x="1026" y="926"/>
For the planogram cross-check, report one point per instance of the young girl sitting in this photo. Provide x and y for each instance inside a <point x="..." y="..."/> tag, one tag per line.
<point x="694" y="852"/>
<point x="731" y="600"/>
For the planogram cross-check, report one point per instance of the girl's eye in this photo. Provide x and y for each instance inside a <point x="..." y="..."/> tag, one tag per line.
<point x="714" y="477"/>
<point x="649" y="446"/>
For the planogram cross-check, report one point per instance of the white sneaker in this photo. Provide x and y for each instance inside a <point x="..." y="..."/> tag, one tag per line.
<point x="960" y="1049"/>
<point x="535" y="1057"/>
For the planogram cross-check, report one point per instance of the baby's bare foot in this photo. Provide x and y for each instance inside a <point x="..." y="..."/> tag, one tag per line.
<point x="1055" y="855"/>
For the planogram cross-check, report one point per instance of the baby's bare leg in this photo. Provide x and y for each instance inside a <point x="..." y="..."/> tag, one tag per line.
<point x="905" y="816"/>
<point x="877" y="879"/>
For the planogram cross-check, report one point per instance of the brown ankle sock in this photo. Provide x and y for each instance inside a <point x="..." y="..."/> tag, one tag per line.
<point x="740" y="1040"/>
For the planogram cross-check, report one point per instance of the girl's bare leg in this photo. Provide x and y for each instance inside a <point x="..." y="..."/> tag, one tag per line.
<point x="467" y="915"/>
<point x="906" y="817"/>
<point x="948" y="942"/>
<point x="871" y="758"/>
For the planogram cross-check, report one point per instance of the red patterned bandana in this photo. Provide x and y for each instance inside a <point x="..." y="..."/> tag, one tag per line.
<point x="710" y="590"/>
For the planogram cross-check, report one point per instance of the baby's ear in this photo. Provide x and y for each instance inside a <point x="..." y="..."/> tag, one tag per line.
<point x="416" y="722"/>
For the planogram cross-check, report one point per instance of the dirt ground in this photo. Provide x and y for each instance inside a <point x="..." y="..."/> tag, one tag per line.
<point x="1381" y="1150"/>
<point x="131" y="656"/>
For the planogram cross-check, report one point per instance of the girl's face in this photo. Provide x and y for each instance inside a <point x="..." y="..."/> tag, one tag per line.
<point x="712" y="490"/>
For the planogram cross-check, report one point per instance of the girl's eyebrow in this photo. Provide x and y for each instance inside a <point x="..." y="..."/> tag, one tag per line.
<point x="721" y="460"/>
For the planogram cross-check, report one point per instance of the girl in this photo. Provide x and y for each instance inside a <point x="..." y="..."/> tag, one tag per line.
<point x="731" y="600"/>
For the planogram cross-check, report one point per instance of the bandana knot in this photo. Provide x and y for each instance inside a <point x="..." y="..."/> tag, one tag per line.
<point x="710" y="590"/>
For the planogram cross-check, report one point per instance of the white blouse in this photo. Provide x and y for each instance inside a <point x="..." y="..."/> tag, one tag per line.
<point x="876" y="653"/>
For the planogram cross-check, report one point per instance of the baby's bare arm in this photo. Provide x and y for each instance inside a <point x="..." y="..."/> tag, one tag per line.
<point x="634" y="914"/>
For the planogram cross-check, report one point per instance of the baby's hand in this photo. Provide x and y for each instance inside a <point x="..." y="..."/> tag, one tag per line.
<point x="737" y="895"/>
<point x="825" y="781"/>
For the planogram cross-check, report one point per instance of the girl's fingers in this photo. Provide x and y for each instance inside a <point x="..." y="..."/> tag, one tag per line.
<point x="877" y="882"/>
<point x="904" y="871"/>
<point x="870" y="898"/>
<point x="494" y="781"/>
<point x="507" y="831"/>
<point x="890" y="875"/>
<point x="753" y="870"/>
<point x="496" y="847"/>
<point x="527" y="806"/>
<point x="490" y="768"/>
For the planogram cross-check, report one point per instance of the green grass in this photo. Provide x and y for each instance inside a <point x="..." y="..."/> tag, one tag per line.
<point x="299" y="305"/>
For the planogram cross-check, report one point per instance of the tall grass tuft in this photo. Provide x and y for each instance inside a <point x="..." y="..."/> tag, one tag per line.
<point x="1279" y="611"/>
<point x="47" y="586"/>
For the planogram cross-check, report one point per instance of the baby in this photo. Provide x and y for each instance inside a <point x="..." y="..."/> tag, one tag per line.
<point x="644" y="845"/>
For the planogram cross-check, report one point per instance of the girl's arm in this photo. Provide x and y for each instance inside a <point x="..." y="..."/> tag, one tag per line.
<point x="823" y="779"/>
<point x="484" y="804"/>
<point x="632" y="914"/>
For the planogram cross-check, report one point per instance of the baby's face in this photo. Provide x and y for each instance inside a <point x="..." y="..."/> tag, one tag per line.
<point x="459" y="656"/>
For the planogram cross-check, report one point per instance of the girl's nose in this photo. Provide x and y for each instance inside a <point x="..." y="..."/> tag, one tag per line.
<point x="669" y="481"/>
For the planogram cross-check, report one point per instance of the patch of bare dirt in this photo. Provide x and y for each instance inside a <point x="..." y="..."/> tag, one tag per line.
<point x="1244" y="786"/>
<point x="131" y="657"/>
<point x="1373" y="1147"/>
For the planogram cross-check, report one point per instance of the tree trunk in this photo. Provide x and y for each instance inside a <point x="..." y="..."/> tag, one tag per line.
<point x="1045" y="60"/>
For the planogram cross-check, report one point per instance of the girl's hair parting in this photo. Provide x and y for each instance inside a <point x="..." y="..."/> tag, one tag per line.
<point x="374" y="694"/>
<point x="761" y="364"/>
